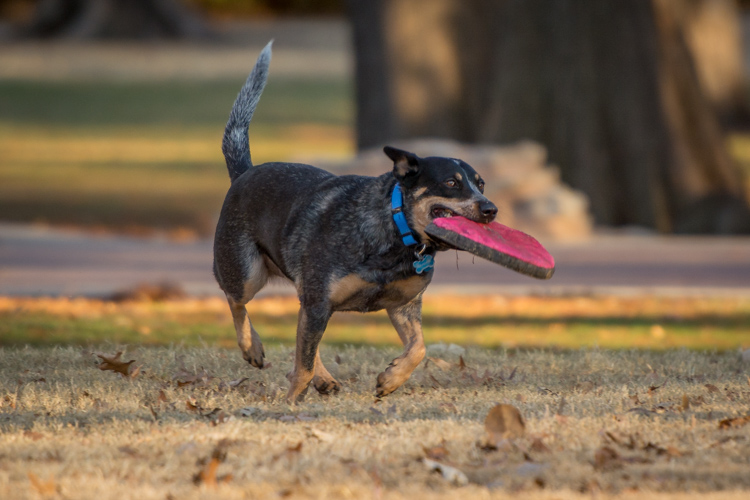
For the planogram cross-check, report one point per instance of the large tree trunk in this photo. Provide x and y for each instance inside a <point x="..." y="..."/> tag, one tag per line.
<point x="608" y="86"/>
<point x="122" y="19"/>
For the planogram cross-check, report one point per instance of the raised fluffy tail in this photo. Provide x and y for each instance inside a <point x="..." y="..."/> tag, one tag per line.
<point x="235" y="145"/>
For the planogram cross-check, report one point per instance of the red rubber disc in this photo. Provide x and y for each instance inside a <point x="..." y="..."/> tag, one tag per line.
<point x="497" y="243"/>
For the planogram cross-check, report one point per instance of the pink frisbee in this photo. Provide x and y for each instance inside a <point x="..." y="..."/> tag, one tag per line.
<point x="497" y="243"/>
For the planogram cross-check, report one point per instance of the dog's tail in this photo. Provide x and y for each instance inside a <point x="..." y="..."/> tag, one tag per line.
<point x="235" y="145"/>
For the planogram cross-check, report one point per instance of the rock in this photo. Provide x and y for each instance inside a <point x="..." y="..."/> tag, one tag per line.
<point x="527" y="190"/>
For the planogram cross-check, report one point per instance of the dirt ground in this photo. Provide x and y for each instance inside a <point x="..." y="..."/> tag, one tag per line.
<point x="200" y="423"/>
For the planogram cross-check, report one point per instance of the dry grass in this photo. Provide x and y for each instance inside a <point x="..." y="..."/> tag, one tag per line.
<point x="631" y="422"/>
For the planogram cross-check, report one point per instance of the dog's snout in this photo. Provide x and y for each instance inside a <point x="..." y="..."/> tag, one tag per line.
<point x="488" y="210"/>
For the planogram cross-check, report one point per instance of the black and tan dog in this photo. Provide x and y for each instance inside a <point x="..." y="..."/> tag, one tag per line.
<point x="347" y="243"/>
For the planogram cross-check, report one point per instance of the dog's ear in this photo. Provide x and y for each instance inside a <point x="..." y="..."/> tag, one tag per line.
<point x="405" y="164"/>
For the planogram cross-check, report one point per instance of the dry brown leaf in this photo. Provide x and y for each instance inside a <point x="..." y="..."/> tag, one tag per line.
<point x="461" y="363"/>
<point x="192" y="405"/>
<point x="538" y="446"/>
<point x="46" y="488"/>
<point x="34" y="436"/>
<point x="439" y="452"/>
<point x="238" y="382"/>
<point x="606" y="458"/>
<point x="440" y="363"/>
<point x="503" y="422"/>
<point x="685" y="402"/>
<point x="207" y="474"/>
<point x="711" y="388"/>
<point x="184" y="377"/>
<point x="730" y="423"/>
<point x="113" y="363"/>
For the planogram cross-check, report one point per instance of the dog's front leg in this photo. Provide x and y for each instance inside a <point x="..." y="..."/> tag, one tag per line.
<point x="407" y="320"/>
<point x="311" y="325"/>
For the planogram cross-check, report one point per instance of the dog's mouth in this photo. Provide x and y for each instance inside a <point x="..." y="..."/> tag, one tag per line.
<point x="441" y="212"/>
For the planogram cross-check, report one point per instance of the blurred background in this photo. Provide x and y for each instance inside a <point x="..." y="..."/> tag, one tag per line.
<point x="605" y="129"/>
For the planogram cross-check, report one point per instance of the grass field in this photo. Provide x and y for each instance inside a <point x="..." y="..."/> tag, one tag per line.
<point x="483" y="321"/>
<point x="192" y="420"/>
<point x="637" y="423"/>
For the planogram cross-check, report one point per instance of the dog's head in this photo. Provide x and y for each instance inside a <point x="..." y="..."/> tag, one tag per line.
<point x="436" y="187"/>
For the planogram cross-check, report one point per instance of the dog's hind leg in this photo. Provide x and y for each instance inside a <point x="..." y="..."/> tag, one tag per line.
<point x="311" y="325"/>
<point x="407" y="320"/>
<point x="240" y="288"/>
<point x="247" y="338"/>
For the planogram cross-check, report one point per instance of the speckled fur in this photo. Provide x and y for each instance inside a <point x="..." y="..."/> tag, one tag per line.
<point x="334" y="238"/>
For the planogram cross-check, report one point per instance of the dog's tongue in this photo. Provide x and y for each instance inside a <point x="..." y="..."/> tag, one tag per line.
<point x="497" y="243"/>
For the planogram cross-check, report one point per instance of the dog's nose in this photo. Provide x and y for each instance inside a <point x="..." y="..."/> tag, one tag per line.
<point x="488" y="209"/>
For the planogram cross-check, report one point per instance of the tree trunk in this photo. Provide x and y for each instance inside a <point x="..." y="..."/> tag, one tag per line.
<point x="121" y="19"/>
<point x="608" y="86"/>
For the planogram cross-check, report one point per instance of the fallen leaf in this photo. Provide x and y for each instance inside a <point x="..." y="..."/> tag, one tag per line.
<point x="606" y="458"/>
<point x="184" y="377"/>
<point x="113" y="363"/>
<point x="504" y="421"/>
<point x="538" y="446"/>
<point x="338" y="359"/>
<point x="440" y="363"/>
<point x="685" y="402"/>
<point x="450" y="474"/>
<point x="439" y="452"/>
<point x="711" y="388"/>
<point x="461" y="363"/>
<point x="45" y="488"/>
<point x="207" y="474"/>
<point x="238" y="382"/>
<point x="192" y="405"/>
<point x="730" y="423"/>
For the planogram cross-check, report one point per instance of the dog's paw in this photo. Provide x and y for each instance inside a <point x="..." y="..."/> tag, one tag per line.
<point x="386" y="384"/>
<point x="255" y="356"/>
<point x="326" y="386"/>
<point x="293" y="399"/>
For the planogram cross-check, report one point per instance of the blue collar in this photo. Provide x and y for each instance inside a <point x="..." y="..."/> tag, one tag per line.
<point x="399" y="218"/>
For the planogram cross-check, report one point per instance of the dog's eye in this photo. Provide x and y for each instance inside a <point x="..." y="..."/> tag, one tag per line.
<point x="451" y="183"/>
<point x="480" y="185"/>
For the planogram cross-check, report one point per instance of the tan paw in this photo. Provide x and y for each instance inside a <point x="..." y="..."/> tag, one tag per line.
<point x="387" y="383"/>
<point x="255" y="355"/>
<point x="326" y="386"/>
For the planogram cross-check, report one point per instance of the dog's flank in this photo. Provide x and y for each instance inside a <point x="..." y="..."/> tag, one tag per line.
<point x="335" y="238"/>
<point x="235" y="144"/>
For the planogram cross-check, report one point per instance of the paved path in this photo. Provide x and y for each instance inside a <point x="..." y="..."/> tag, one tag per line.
<point x="38" y="261"/>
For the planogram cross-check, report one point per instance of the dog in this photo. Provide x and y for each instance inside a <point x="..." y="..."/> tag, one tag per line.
<point x="347" y="243"/>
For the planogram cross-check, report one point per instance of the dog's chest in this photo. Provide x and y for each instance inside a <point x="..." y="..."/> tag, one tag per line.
<point x="352" y="293"/>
